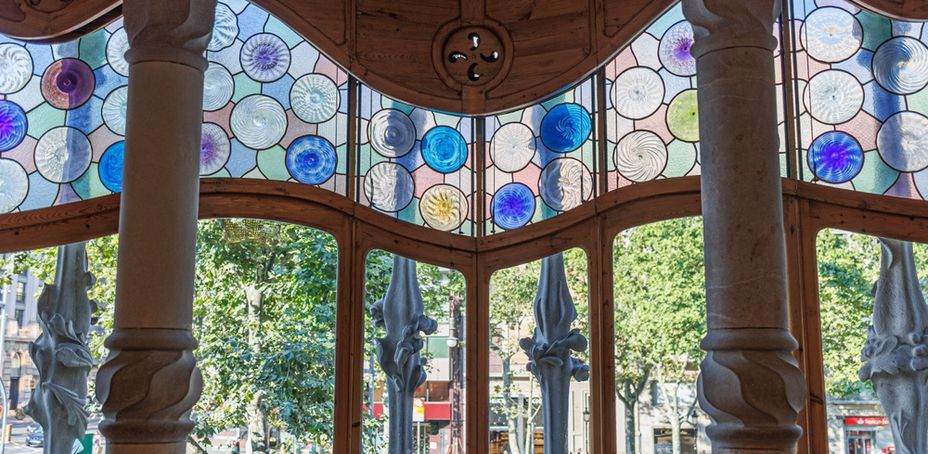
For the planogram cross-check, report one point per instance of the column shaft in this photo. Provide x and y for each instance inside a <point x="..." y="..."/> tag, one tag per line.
<point x="149" y="382"/>
<point x="750" y="384"/>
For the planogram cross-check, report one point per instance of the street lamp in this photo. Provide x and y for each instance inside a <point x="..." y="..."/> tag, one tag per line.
<point x="586" y="423"/>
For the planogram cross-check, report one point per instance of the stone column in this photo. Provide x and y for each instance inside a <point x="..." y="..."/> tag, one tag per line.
<point x="149" y="382"/>
<point x="750" y="384"/>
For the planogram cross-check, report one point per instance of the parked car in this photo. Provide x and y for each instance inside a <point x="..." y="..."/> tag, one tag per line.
<point x="35" y="436"/>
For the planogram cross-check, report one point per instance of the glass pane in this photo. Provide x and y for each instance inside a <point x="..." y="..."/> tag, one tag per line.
<point x="541" y="159"/>
<point x="652" y="123"/>
<point x="660" y="318"/>
<point x="265" y="317"/>
<point x="26" y="321"/>
<point x="274" y="108"/>
<point x="415" y="164"/>
<point x="414" y="315"/>
<point x="873" y="319"/>
<point x="862" y="99"/>
<point x="539" y="321"/>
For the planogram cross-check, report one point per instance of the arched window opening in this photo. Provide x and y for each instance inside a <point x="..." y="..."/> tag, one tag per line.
<point x="265" y="316"/>
<point x="872" y="310"/>
<point x="413" y="385"/>
<point x="660" y="318"/>
<point x="539" y="356"/>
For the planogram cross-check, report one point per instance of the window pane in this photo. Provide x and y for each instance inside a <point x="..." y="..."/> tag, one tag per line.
<point x="873" y="315"/>
<point x="541" y="160"/>
<point x="860" y="99"/>
<point x="415" y="315"/>
<point x="660" y="318"/>
<point x="523" y="419"/>
<point x="265" y="318"/>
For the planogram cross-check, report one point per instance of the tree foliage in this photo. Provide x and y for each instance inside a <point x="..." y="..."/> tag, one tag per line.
<point x="660" y="310"/>
<point x="292" y="366"/>
<point x="848" y="268"/>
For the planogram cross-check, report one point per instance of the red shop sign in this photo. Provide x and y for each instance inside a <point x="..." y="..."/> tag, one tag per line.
<point x="866" y="421"/>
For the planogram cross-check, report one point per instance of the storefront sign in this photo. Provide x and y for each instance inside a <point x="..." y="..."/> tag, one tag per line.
<point x="418" y="410"/>
<point x="866" y="421"/>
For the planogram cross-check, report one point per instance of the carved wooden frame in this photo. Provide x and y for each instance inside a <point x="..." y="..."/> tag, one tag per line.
<point x="808" y="208"/>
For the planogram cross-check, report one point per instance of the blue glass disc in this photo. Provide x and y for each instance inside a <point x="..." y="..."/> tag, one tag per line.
<point x="444" y="149"/>
<point x="513" y="206"/>
<point x="836" y="157"/>
<point x="565" y="127"/>
<point x="311" y="159"/>
<point x="13" y="125"/>
<point x="111" y="166"/>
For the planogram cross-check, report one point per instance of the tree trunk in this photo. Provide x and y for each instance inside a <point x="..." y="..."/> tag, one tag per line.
<point x="256" y="441"/>
<point x="630" y="435"/>
<point x="675" y="419"/>
<point x="510" y="403"/>
<point x="529" y="436"/>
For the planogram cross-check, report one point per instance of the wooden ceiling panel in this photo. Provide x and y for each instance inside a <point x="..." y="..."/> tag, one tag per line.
<point x="901" y="9"/>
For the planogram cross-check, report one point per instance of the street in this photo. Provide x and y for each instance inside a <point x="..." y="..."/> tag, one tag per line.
<point x="17" y="444"/>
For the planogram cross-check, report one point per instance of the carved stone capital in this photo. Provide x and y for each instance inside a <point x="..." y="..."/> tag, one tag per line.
<point x="725" y="24"/>
<point x="176" y="31"/>
<point x="751" y="386"/>
<point x="148" y="385"/>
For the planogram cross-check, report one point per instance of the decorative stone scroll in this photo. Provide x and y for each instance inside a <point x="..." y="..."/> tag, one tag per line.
<point x="896" y="352"/>
<point x="549" y="351"/>
<point x="61" y="353"/>
<point x="400" y="312"/>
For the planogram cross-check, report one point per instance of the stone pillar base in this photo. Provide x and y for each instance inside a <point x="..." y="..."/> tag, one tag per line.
<point x="147" y="386"/>
<point x="168" y="448"/>
<point x="752" y="451"/>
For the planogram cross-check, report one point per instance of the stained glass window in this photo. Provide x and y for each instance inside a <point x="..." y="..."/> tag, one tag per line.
<point x="860" y="84"/>
<point x="277" y="109"/>
<point x="274" y="108"/>
<point x="415" y="164"/>
<point x="652" y="122"/>
<point x="541" y="160"/>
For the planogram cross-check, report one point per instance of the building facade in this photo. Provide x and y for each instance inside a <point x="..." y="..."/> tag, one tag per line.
<point x="20" y="375"/>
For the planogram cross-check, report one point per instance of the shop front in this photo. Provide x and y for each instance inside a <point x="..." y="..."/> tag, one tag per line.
<point x="867" y="435"/>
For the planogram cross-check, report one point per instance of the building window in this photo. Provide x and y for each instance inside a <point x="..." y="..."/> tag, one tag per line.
<point x="19" y="317"/>
<point x="663" y="441"/>
<point x="20" y="292"/>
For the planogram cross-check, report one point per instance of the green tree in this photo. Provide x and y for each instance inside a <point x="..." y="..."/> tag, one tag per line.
<point x="264" y="314"/>
<point x="848" y="268"/>
<point x="660" y="316"/>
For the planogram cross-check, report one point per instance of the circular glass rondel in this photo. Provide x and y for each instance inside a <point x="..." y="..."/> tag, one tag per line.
<point x="15" y="68"/>
<point x="13" y="125"/>
<point x="311" y="159"/>
<point x="513" y="206"/>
